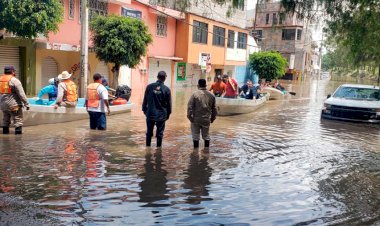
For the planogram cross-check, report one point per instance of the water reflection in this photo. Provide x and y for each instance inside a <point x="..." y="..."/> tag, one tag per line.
<point x="197" y="177"/>
<point x="153" y="186"/>
<point x="280" y="165"/>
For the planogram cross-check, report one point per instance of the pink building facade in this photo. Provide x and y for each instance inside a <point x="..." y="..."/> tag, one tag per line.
<point x="61" y="50"/>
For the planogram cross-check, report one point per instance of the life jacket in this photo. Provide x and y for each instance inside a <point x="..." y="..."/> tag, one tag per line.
<point x="71" y="92"/>
<point x="53" y="95"/>
<point x="4" y="84"/>
<point x="93" y="98"/>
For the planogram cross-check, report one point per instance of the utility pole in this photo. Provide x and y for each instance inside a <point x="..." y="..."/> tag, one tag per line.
<point x="84" y="46"/>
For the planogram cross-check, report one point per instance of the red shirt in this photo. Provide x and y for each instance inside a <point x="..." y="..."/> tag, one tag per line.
<point x="230" y="91"/>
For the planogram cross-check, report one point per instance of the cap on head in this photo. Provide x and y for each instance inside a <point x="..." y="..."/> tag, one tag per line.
<point x="51" y="81"/>
<point x="104" y="81"/>
<point x="161" y="75"/>
<point x="9" y="69"/>
<point x="202" y="82"/>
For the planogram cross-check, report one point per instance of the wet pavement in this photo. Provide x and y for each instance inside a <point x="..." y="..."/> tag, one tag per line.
<point x="281" y="165"/>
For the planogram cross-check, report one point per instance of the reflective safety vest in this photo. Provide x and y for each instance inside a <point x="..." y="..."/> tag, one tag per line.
<point x="93" y="98"/>
<point x="71" y="92"/>
<point x="4" y="84"/>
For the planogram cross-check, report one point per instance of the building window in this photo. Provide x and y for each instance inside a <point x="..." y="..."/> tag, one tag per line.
<point x="231" y="39"/>
<point x="288" y="34"/>
<point x="267" y="19"/>
<point x="162" y="25"/>
<point x="299" y="34"/>
<point x="131" y="13"/>
<point x="71" y="9"/>
<point x="242" y="41"/>
<point x="240" y="4"/>
<point x="282" y="18"/>
<point x="257" y="34"/>
<point x="200" y="32"/>
<point x="274" y="21"/>
<point x="97" y="7"/>
<point x="219" y="36"/>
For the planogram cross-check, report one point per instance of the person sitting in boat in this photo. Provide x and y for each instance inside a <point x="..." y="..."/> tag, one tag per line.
<point x="51" y="90"/>
<point x="105" y="83"/>
<point x="251" y="91"/>
<point x="244" y="89"/>
<point x="67" y="91"/>
<point x="279" y="86"/>
<point x="231" y="87"/>
<point x="218" y="88"/>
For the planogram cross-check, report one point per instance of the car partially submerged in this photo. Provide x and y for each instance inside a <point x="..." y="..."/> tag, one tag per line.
<point x="353" y="102"/>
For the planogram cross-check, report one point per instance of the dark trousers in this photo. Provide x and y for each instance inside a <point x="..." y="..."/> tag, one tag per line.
<point x="160" y="128"/>
<point x="98" y="120"/>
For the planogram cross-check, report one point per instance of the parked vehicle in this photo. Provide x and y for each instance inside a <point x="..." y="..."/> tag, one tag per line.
<point x="350" y="102"/>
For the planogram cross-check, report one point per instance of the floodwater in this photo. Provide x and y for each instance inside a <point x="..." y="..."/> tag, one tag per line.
<point x="281" y="165"/>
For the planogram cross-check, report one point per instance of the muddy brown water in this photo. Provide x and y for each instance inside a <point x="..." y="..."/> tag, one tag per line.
<point x="281" y="165"/>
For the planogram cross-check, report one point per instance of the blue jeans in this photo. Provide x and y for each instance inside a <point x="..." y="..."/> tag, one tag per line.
<point x="98" y="120"/>
<point x="160" y="128"/>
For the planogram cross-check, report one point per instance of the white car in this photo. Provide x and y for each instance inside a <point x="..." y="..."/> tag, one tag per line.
<point x="353" y="102"/>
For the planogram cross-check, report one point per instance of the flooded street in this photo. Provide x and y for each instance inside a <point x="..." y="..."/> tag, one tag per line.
<point x="280" y="165"/>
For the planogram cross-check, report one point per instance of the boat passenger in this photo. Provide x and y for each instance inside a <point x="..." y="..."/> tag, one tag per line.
<point x="96" y="103"/>
<point x="231" y="87"/>
<point x="105" y="83"/>
<point x="218" y="87"/>
<point x="67" y="91"/>
<point x="12" y="100"/>
<point x="201" y="111"/>
<point x="244" y="89"/>
<point x="51" y="90"/>
<point x="251" y="92"/>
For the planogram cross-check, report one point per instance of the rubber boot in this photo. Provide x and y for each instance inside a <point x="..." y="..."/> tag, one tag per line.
<point x="159" y="142"/>
<point x="196" y="143"/>
<point x="18" y="130"/>
<point x="5" y="130"/>
<point x="148" y="141"/>
<point x="207" y="143"/>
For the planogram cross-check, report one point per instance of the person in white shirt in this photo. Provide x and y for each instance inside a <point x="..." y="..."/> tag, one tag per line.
<point x="97" y="103"/>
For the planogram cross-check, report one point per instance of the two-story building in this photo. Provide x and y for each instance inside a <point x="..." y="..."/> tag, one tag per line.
<point x="274" y="29"/>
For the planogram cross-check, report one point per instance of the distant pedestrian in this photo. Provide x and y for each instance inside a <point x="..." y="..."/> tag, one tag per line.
<point x="96" y="103"/>
<point x="13" y="98"/>
<point x="67" y="91"/>
<point x="157" y="107"/>
<point x="201" y="111"/>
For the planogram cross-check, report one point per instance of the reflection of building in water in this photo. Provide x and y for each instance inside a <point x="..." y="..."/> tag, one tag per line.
<point x="198" y="177"/>
<point x="153" y="186"/>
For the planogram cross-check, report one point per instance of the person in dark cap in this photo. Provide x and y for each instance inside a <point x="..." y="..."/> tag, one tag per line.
<point x="157" y="107"/>
<point x="201" y="111"/>
<point x="12" y="101"/>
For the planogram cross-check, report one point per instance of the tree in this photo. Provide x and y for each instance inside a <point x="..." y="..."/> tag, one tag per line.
<point x="28" y="18"/>
<point x="120" y="40"/>
<point x="354" y="24"/>
<point x="269" y="65"/>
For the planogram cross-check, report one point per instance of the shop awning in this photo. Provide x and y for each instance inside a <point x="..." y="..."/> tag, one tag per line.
<point x="167" y="58"/>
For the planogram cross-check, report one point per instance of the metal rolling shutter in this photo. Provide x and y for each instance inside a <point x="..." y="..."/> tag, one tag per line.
<point x="10" y="56"/>
<point x="49" y="70"/>
<point x="102" y="69"/>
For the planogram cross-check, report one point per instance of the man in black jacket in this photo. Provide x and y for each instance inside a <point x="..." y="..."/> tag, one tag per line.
<point x="157" y="107"/>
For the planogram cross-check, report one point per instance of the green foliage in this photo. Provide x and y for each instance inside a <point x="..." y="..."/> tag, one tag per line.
<point x="120" y="40"/>
<point x="269" y="65"/>
<point x="353" y="25"/>
<point x="27" y="18"/>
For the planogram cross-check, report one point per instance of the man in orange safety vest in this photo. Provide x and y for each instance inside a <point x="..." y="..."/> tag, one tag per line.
<point x="96" y="103"/>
